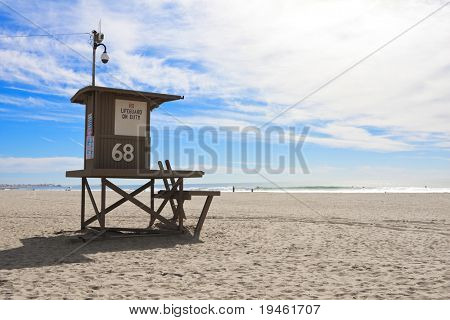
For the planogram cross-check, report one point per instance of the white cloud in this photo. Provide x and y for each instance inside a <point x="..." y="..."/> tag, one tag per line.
<point x="270" y="52"/>
<point x="39" y="165"/>
<point x="352" y="137"/>
<point x="31" y="108"/>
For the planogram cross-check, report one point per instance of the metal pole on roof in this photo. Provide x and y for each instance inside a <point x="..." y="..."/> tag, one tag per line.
<point x="93" y="59"/>
<point x="97" y="38"/>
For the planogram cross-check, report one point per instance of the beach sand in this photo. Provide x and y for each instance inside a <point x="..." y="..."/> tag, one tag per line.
<point x="253" y="246"/>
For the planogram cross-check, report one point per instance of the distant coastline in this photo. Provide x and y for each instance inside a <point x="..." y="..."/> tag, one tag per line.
<point x="30" y="186"/>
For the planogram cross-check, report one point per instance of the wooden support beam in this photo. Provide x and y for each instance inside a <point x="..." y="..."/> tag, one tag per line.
<point x="103" y="204"/>
<point x="94" y="205"/>
<point x="180" y="211"/>
<point x="169" y="168"/>
<point x="172" y="180"/>
<point x="119" y="233"/>
<point x="83" y="202"/>
<point x="125" y="229"/>
<point x="169" y="194"/>
<point x="202" y="218"/>
<point x="167" y="186"/>
<point x="187" y="195"/>
<point x="173" y="192"/>
<point x="136" y="202"/>
<point x="152" y="194"/>
<point x="152" y="203"/>
<point x="119" y="202"/>
<point x="163" y="195"/>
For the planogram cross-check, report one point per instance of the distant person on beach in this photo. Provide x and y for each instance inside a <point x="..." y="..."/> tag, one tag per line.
<point x="233" y="188"/>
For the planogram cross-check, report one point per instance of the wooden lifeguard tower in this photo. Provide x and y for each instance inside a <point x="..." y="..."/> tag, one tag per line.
<point x="117" y="145"/>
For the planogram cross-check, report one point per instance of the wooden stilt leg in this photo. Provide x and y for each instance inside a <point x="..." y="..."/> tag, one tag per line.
<point x="94" y="205"/>
<point x="152" y="193"/>
<point x="180" y="214"/>
<point x="83" y="202"/>
<point x="103" y="205"/>
<point x="152" y="202"/>
<point x="202" y="218"/>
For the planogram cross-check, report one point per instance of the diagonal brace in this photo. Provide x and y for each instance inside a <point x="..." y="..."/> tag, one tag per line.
<point x="115" y="204"/>
<point x="91" y="196"/>
<point x="136" y="202"/>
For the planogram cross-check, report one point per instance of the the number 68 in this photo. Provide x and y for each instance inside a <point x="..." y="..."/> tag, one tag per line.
<point x="126" y="155"/>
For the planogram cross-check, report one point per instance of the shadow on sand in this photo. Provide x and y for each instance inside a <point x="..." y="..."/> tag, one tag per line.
<point x="47" y="251"/>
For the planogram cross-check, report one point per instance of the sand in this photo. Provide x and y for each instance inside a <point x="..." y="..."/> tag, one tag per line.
<point x="253" y="246"/>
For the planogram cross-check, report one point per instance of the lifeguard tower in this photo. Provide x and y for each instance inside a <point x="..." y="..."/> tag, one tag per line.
<point x="117" y="145"/>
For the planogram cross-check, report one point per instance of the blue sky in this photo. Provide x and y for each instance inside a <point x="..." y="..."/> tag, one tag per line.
<point x="385" y="122"/>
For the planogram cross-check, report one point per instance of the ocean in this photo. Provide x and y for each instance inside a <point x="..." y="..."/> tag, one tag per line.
<point x="252" y="188"/>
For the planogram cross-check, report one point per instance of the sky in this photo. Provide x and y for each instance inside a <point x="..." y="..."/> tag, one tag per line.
<point x="378" y="119"/>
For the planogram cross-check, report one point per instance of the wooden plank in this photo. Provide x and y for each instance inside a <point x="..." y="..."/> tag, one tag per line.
<point x="136" y="202"/>
<point x="125" y="229"/>
<point x="195" y="193"/>
<point x="133" y="174"/>
<point x="202" y="217"/>
<point x="163" y="194"/>
<point x="119" y="202"/>
<point x="135" y="232"/>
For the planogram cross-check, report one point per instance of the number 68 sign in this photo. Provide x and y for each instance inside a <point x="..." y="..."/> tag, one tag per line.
<point x="125" y="154"/>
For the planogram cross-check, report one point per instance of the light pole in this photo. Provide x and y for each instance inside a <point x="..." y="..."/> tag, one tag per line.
<point x="97" y="38"/>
